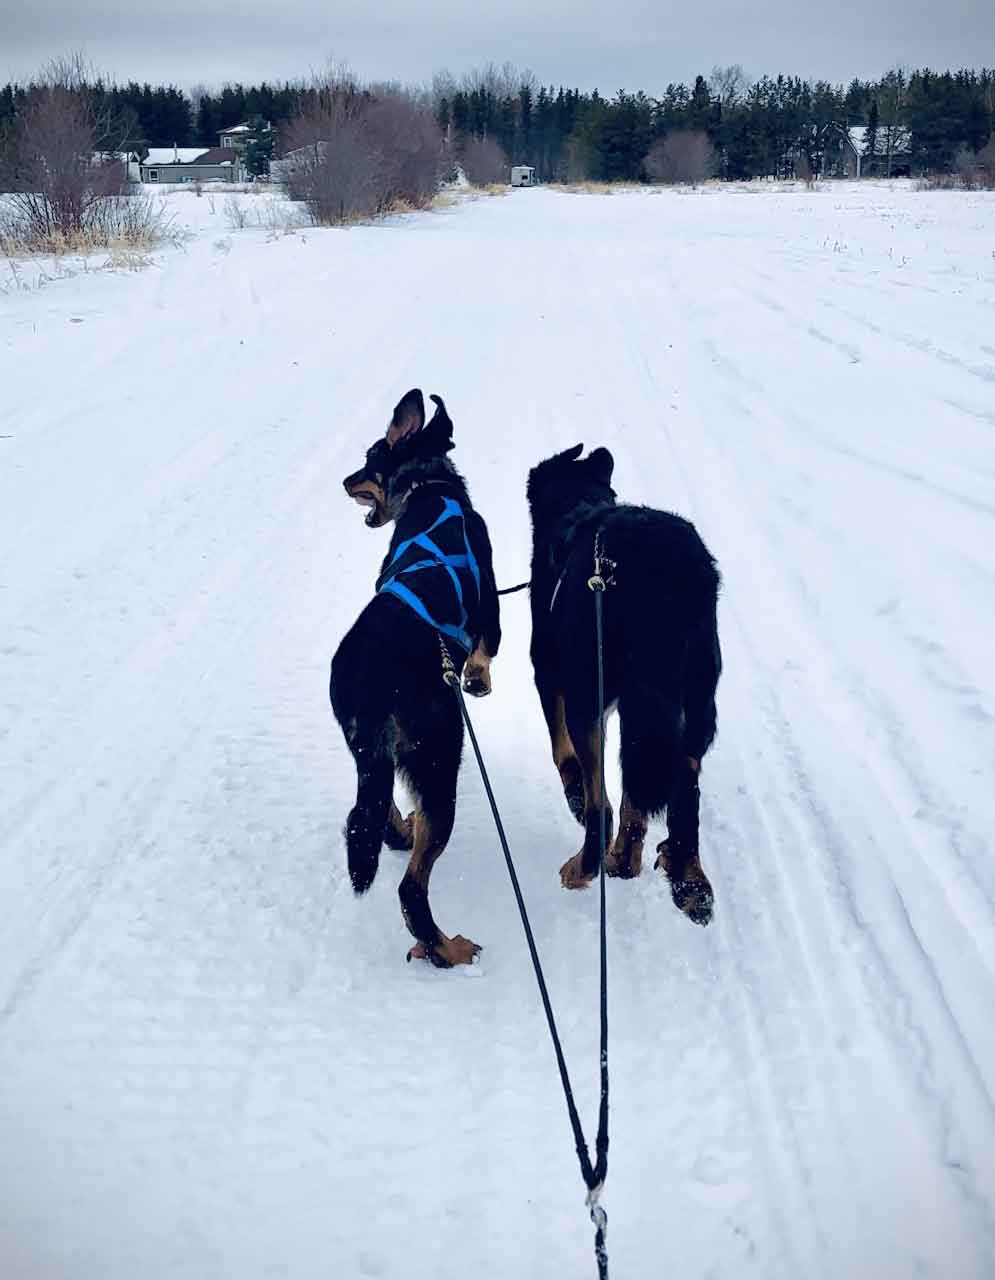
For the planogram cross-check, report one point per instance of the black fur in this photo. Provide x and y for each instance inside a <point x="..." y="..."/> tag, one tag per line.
<point x="386" y="686"/>
<point x="662" y="656"/>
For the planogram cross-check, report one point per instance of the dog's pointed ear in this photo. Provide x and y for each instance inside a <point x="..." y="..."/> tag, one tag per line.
<point x="440" y="418"/>
<point x="409" y="417"/>
<point x="602" y="464"/>
<point x="440" y="429"/>
<point x="569" y="455"/>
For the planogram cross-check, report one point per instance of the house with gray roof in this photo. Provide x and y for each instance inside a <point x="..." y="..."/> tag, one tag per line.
<point x="191" y="164"/>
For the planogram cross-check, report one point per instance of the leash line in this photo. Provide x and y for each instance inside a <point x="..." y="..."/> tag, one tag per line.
<point x="594" y="1176"/>
<point x="510" y="591"/>
<point x="452" y="679"/>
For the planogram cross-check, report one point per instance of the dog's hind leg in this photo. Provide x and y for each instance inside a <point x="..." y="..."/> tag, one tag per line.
<point x="678" y="854"/>
<point x="432" y="831"/>
<point x="658" y="774"/>
<point x="564" y="756"/>
<point x="429" y="754"/>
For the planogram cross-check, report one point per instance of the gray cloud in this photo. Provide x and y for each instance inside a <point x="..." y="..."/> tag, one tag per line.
<point x="610" y="45"/>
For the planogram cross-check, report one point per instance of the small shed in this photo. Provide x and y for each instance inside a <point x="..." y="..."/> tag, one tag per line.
<point x="523" y="175"/>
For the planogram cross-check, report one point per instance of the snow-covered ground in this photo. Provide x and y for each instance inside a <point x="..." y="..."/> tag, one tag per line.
<point x="214" y="1062"/>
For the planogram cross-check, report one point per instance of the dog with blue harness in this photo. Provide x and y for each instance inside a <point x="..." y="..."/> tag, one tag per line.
<point x="436" y="588"/>
<point x="448" y="581"/>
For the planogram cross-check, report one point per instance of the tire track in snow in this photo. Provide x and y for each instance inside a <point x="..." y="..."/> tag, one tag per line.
<point x="947" y="1123"/>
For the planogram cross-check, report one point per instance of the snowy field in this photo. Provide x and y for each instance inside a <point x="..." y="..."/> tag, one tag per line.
<point x="214" y="1062"/>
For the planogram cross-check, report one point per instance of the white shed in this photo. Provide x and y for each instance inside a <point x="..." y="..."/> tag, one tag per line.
<point x="523" y="175"/>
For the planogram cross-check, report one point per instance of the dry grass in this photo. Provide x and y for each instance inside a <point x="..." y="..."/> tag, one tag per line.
<point x="972" y="180"/>
<point x="485" y="192"/>
<point x="132" y="224"/>
<point x="591" y="188"/>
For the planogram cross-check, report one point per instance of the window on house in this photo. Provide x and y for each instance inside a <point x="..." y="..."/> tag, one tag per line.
<point x="226" y="142"/>
<point x="153" y="175"/>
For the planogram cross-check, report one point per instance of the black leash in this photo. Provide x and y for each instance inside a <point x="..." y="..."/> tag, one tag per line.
<point x="510" y="591"/>
<point x="593" y="1175"/>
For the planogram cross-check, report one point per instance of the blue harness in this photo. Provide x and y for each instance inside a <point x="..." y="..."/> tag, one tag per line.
<point x="457" y="567"/>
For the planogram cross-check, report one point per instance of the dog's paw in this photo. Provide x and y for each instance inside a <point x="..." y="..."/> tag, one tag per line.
<point x="624" y="864"/>
<point x="447" y="952"/>
<point x="690" y="890"/>
<point x="572" y="873"/>
<point x="476" y="680"/>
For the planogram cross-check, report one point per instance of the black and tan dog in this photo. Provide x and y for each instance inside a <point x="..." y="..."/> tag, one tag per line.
<point x="387" y="691"/>
<point x="662" y="665"/>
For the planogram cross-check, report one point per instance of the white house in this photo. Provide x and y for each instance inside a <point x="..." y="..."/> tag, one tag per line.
<point x="523" y="175"/>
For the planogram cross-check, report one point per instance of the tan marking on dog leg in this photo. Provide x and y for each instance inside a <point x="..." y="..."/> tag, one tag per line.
<point x="625" y="858"/>
<point x="567" y="765"/>
<point x="446" y="951"/>
<point x="403" y="828"/>
<point x="574" y="874"/>
<point x="477" y="672"/>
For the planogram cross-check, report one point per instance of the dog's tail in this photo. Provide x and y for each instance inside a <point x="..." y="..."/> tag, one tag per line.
<point x="652" y="730"/>
<point x="667" y="705"/>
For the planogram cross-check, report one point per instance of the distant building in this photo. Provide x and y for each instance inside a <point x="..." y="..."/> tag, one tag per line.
<point x="890" y="155"/>
<point x="294" y="161"/>
<point x="191" y="164"/>
<point x="523" y="175"/>
<point x="238" y="137"/>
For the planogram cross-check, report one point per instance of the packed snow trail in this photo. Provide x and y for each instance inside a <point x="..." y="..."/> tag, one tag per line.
<point x="214" y="1062"/>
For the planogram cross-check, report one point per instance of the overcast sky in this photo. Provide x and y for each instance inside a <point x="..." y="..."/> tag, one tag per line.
<point x="610" y="44"/>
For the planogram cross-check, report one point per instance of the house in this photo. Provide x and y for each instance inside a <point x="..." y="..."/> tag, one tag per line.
<point x="523" y="175"/>
<point x="191" y="164"/>
<point x="238" y="137"/>
<point x="890" y="155"/>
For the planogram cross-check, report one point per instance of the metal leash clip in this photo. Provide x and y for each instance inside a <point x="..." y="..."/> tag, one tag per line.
<point x="604" y="569"/>
<point x="448" y="668"/>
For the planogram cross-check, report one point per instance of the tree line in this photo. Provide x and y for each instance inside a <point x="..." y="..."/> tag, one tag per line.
<point x="772" y="127"/>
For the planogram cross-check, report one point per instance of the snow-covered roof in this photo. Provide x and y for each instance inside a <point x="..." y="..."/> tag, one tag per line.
<point x="173" y="155"/>
<point x="237" y="128"/>
<point x="901" y="140"/>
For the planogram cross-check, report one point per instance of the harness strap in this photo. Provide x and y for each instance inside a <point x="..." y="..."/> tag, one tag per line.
<point x="437" y="559"/>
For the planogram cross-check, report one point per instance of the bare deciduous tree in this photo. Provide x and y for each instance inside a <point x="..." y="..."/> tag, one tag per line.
<point x="62" y="159"/>
<point x="361" y="152"/>
<point x="484" y="162"/>
<point x="685" y="155"/>
<point x="406" y="137"/>
<point x="728" y="84"/>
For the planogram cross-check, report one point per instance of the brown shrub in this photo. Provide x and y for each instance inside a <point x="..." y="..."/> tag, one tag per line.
<point x="484" y="162"/>
<point x="685" y="155"/>
<point x="356" y="155"/>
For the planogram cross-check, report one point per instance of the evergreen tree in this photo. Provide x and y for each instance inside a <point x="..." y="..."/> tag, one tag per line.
<point x="871" y="137"/>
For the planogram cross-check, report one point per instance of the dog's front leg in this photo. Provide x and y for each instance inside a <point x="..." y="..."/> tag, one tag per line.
<point x="477" y="672"/>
